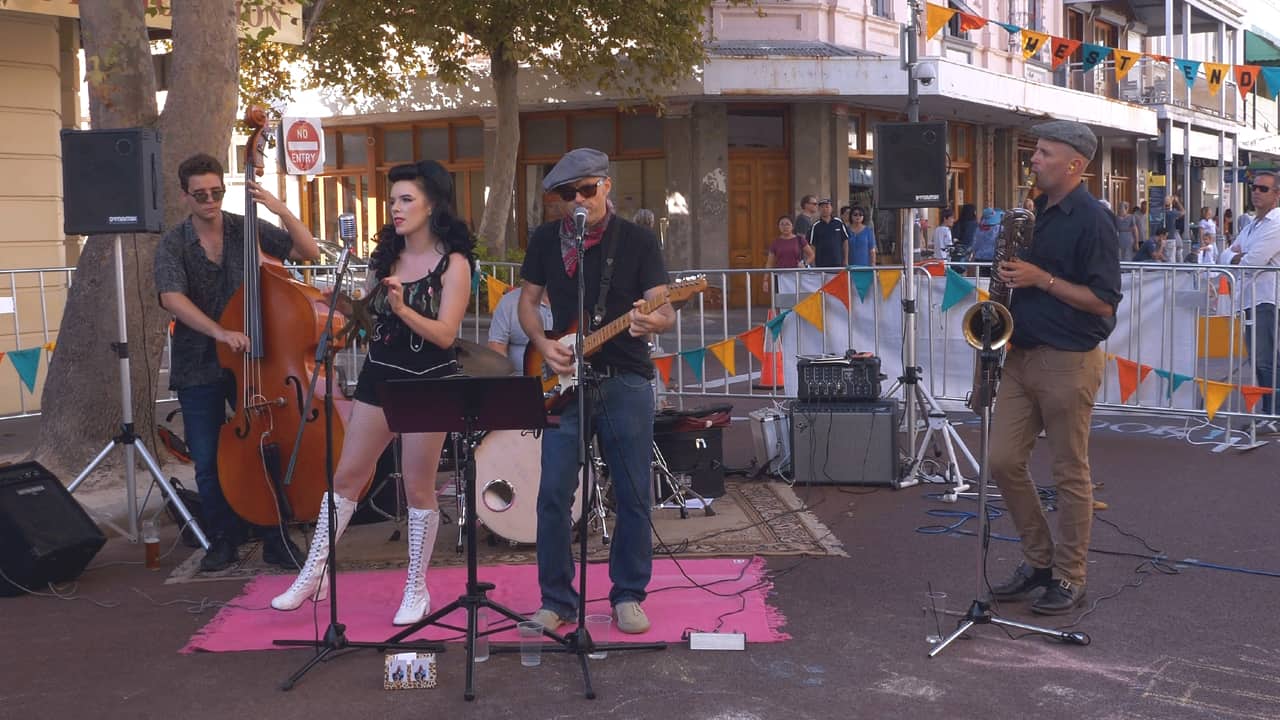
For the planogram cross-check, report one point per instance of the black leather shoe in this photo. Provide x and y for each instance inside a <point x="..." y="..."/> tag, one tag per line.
<point x="220" y="556"/>
<point x="281" y="552"/>
<point x="1024" y="580"/>
<point x="1059" y="599"/>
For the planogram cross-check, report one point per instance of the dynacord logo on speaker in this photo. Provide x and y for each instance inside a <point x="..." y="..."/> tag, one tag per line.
<point x="122" y="219"/>
<point x="930" y="197"/>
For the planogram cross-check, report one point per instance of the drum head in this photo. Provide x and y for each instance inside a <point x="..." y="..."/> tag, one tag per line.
<point x="508" y="468"/>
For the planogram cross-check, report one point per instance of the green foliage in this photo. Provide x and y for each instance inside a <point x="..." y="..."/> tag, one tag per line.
<point x="635" y="47"/>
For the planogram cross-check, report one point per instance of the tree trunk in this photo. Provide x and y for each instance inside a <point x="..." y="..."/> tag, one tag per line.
<point x="504" y="71"/>
<point x="81" y="406"/>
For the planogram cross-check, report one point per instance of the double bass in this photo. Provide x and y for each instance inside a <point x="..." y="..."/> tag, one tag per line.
<point x="284" y="320"/>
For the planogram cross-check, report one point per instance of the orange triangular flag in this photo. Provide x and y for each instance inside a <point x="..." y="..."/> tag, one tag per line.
<point x="1215" y="393"/>
<point x="1033" y="42"/>
<point x="663" y="365"/>
<point x="496" y="290"/>
<point x="810" y="309"/>
<point x="888" y="281"/>
<point x="838" y="287"/>
<point x="723" y="351"/>
<point x="1246" y="78"/>
<point x="935" y="17"/>
<point x="1159" y="58"/>
<point x="1215" y="73"/>
<point x="1061" y="49"/>
<point x="1127" y="372"/>
<point x="971" y="22"/>
<point x="753" y="339"/>
<point x="1143" y="372"/>
<point x="1252" y="394"/>
<point x="1125" y="61"/>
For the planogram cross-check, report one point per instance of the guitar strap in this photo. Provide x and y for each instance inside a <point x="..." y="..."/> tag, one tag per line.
<point x="606" y="279"/>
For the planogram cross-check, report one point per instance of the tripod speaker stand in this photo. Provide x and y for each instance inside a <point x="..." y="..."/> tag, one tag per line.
<point x="128" y="439"/>
<point x="995" y="318"/>
<point x="466" y="405"/>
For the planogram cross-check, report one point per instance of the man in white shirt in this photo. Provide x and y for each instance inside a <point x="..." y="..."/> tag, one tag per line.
<point x="942" y="234"/>
<point x="1208" y="237"/>
<point x="505" y="334"/>
<point x="1259" y="245"/>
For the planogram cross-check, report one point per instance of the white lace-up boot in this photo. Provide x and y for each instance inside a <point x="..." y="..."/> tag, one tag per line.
<point x="313" y="581"/>
<point x="423" y="526"/>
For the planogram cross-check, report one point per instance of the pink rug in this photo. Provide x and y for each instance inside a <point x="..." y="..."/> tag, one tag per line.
<point x="367" y="601"/>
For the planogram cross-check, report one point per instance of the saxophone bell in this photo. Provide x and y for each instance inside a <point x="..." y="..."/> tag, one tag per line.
<point x="987" y="319"/>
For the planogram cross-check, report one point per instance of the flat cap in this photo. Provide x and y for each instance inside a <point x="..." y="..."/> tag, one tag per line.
<point x="577" y="164"/>
<point x="1077" y="135"/>
<point x="824" y="201"/>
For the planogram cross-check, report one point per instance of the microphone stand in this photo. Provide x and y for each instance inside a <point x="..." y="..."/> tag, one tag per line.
<point x="335" y="637"/>
<point x="980" y="611"/>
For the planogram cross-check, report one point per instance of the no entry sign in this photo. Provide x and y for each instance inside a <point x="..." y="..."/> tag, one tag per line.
<point x="303" y="146"/>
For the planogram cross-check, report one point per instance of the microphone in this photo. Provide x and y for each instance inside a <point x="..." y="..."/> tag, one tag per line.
<point x="580" y="219"/>
<point x="347" y="229"/>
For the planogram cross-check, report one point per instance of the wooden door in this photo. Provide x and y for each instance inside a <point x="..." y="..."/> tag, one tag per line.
<point x="758" y="183"/>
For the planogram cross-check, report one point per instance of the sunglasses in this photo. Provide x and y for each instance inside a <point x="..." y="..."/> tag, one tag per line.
<point x="588" y="191"/>
<point x="1262" y="188"/>
<point x="205" y="195"/>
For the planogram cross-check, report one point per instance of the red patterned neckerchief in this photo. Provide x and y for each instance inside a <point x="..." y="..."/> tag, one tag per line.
<point x="569" y="241"/>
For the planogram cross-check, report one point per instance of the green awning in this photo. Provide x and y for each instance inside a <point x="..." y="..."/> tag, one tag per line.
<point x="1259" y="50"/>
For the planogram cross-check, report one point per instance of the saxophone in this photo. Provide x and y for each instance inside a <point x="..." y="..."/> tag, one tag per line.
<point x="1017" y="230"/>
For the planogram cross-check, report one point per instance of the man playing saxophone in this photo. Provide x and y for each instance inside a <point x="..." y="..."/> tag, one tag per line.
<point x="1066" y="287"/>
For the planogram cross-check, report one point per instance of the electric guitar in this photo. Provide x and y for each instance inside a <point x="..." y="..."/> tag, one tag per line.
<point x="556" y="388"/>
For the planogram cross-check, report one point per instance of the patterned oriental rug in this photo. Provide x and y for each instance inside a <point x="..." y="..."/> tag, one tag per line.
<point x="751" y="519"/>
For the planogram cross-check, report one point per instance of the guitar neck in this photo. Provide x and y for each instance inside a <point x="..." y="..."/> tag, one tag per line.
<point x="619" y="324"/>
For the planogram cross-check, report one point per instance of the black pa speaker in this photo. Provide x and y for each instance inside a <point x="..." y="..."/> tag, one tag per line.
<point x="910" y="165"/>
<point x="111" y="181"/>
<point x="845" y="443"/>
<point x="45" y="536"/>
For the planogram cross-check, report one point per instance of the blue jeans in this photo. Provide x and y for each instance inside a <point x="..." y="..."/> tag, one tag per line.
<point x="1264" y="355"/>
<point x="623" y="419"/>
<point x="203" y="413"/>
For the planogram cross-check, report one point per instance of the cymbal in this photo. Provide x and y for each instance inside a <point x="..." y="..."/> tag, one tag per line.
<point x="477" y="360"/>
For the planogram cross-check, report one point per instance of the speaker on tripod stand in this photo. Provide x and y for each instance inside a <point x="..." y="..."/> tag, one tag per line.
<point x="910" y="165"/>
<point x="111" y="181"/>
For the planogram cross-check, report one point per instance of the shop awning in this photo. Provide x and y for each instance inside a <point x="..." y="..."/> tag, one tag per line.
<point x="1260" y="50"/>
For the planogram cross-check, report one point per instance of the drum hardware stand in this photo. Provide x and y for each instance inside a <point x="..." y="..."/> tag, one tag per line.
<point x="980" y="611"/>
<point x="599" y="514"/>
<point x="335" y="637"/>
<point x="678" y="490"/>
<point x="467" y="404"/>
<point x="396" y="477"/>
<point x="128" y="440"/>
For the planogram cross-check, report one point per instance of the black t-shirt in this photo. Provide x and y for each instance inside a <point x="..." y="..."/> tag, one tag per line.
<point x="1075" y="240"/>
<point x="637" y="266"/>
<point x="829" y="239"/>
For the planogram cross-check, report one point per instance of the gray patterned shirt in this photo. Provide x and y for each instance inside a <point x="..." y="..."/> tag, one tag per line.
<point x="182" y="266"/>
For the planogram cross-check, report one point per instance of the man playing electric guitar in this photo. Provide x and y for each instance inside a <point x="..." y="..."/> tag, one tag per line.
<point x="623" y="268"/>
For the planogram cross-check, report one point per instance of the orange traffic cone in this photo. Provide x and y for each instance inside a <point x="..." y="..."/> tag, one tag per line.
<point x="771" y="377"/>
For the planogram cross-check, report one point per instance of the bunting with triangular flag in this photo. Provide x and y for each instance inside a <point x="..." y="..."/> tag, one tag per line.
<point x="1189" y="69"/>
<point x="1061" y="49"/>
<point x="662" y="363"/>
<point x="496" y="289"/>
<point x="1033" y="42"/>
<point x="810" y="309"/>
<point x="1091" y="55"/>
<point x="775" y="323"/>
<point x="888" y="281"/>
<point x="1246" y="77"/>
<point x="936" y="18"/>
<point x="1215" y="73"/>
<point x="1252" y="394"/>
<point x="723" y="351"/>
<point x="863" y="279"/>
<point x="838" y="288"/>
<point x="1215" y="393"/>
<point x="958" y="288"/>
<point x="695" y="358"/>
<point x="753" y="340"/>
<point x="27" y="363"/>
<point x="1125" y="61"/>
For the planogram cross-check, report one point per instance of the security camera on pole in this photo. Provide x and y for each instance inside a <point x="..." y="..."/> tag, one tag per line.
<point x="911" y="173"/>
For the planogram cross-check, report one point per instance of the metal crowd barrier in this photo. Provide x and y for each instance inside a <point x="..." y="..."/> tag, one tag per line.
<point x="1182" y="335"/>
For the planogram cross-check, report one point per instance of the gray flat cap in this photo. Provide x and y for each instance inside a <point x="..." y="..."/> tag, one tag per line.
<point x="576" y="164"/>
<point x="1077" y="135"/>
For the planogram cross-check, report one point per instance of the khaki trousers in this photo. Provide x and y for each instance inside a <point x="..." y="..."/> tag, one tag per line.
<point x="1053" y="390"/>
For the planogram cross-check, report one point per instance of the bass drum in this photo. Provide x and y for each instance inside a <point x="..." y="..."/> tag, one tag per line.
<point x="508" y="466"/>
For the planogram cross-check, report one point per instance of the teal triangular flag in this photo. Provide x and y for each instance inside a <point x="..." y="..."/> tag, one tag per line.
<point x="1013" y="29"/>
<point x="958" y="288"/>
<point x="695" y="358"/>
<point x="863" y="280"/>
<point x="26" y="362"/>
<point x="475" y="282"/>
<point x="1163" y="373"/>
<point x="1271" y="76"/>
<point x="1091" y="55"/>
<point x="1178" y="380"/>
<point x="775" y="325"/>
<point x="1189" y="69"/>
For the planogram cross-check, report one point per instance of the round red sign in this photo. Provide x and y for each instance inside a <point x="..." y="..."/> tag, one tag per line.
<point x="302" y="143"/>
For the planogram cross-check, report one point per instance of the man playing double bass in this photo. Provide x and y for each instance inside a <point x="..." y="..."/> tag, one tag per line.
<point x="199" y="265"/>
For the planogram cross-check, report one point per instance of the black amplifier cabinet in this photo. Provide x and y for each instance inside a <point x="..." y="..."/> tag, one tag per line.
<point x="852" y="377"/>
<point x="845" y="443"/>
<point x="45" y="536"/>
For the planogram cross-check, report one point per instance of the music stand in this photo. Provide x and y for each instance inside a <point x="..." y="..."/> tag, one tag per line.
<point x="467" y="405"/>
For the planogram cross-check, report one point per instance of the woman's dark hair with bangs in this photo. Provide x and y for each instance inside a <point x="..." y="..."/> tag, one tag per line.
<point x="437" y="184"/>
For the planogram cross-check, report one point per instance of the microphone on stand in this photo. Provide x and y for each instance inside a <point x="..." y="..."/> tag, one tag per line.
<point x="347" y="229"/>
<point x="580" y="220"/>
